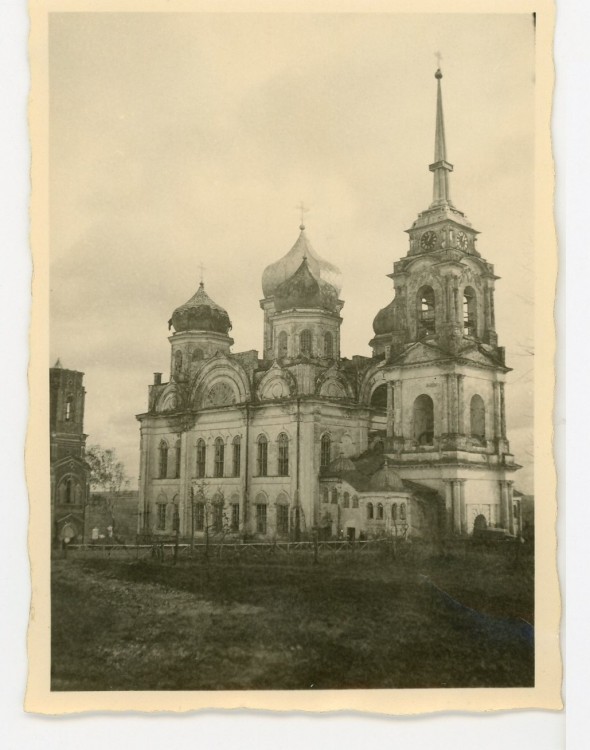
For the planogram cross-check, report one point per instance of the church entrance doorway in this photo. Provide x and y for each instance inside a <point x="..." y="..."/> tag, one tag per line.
<point x="480" y="524"/>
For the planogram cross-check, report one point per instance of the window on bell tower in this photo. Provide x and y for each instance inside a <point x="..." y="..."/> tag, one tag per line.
<point x="328" y="345"/>
<point x="477" y="417"/>
<point x="424" y="420"/>
<point x="426" y="311"/>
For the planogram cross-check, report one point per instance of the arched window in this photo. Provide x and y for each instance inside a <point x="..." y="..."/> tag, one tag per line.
<point x="282" y="518"/>
<point x="346" y="500"/>
<point x="282" y="344"/>
<point x="334" y="496"/>
<point x="402" y="511"/>
<point x="217" y="508"/>
<point x="235" y="513"/>
<point x="237" y="455"/>
<point x="261" y="513"/>
<point x="163" y="459"/>
<point x="178" y="457"/>
<point x="69" y="491"/>
<point x="328" y="345"/>
<point x="161" y="516"/>
<point x="201" y="458"/>
<point x="177" y="362"/>
<point x="262" y="456"/>
<point x="69" y="412"/>
<point x="379" y="397"/>
<point x="370" y="510"/>
<point x="199" y="516"/>
<point x="426" y="311"/>
<point x="380" y="511"/>
<point x="394" y="512"/>
<point x="424" y="420"/>
<point x="305" y="342"/>
<point x="355" y="501"/>
<point x="325" y="450"/>
<point x="477" y="414"/>
<point x="283" y="444"/>
<point x="198" y="354"/>
<point x="219" y="456"/>
<point x="326" y="495"/>
<point x="469" y="312"/>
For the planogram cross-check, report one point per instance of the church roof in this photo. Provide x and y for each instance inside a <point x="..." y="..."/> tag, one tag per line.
<point x="340" y="465"/>
<point x="278" y="272"/>
<point x="386" y="319"/>
<point x="303" y="290"/>
<point x="200" y="313"/>
<point x="387" y="479"/>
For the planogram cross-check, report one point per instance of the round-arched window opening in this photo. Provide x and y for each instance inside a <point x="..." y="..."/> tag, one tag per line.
<point x="282" y="344"/>
<point x="424" y="420"/>
<point x="305" y="343"/>
<point x="469" y="312"/>
<point x="477" y="418"/>
<point x="379" y="397"/>
<point x="328" y="345"/>
<point x="426" y="311"/>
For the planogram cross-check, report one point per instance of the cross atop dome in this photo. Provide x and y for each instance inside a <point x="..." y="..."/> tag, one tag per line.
<point x="303" y="209"/>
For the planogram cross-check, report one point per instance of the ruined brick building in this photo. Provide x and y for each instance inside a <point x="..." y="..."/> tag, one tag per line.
<point x="411" y="441"/>
<point x="69" y="470"/>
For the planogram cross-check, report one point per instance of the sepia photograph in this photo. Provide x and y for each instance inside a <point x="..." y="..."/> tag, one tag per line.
<point x="291" y="353"/>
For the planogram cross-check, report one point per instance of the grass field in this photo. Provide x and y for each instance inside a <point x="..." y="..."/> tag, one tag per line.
<point x="411" y="622"/>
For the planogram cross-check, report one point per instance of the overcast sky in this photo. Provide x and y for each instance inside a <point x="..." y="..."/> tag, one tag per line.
<point x="181" y="139"/>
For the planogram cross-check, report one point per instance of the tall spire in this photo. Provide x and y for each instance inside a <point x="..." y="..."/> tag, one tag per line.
<point x="441" y="167"/>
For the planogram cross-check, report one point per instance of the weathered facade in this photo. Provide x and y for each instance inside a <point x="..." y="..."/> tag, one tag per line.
<point x="69" y="470"/>
<point x="411" y="441"/>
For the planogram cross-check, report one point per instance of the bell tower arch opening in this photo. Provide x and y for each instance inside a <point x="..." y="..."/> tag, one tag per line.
<point x="469" y="311"/>
<point x="426" y="311"/>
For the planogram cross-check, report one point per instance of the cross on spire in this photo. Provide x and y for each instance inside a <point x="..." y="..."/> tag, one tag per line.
<point x="439" y="58"/>
<point x="441" y="167"/>
<point x="303" y="209"/>
<point x="202" y="269"/>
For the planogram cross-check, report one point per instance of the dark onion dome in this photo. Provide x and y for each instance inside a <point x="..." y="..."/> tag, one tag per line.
<point x="386" y="480"/>
<point x="304" y="291"/>
<point x="200" y="313"/>
<point x="386" y="319"/>
<point x="278" y="272"/>
<point x="340" y="465"/>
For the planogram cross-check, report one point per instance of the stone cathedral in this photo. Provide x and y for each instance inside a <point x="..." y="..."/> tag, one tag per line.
<point x="409" y="442"/>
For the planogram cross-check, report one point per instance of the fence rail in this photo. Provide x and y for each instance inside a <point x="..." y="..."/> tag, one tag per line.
<point x="229" y="549"/>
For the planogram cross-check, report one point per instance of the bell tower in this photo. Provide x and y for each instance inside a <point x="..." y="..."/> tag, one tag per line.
<point x="437" y="344"/>
<point x="444" y="289"/>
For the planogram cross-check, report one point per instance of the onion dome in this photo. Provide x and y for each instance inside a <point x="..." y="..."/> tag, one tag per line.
<point x="278" y="272"/>
<point x="303" y="290"/>
<point x="341" y="465"/>
<point x="386" y="480"/>
<point x="200" y="313"/>
<point x="386" y="319"/>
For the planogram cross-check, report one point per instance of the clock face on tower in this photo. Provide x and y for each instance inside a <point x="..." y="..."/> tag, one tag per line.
<point x="428" y="240"/>
<point x="462" y="240"/>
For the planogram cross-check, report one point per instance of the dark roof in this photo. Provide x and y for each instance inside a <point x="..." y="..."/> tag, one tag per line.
<point x="366" y="476"/>
<point x="200" y="313"/>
